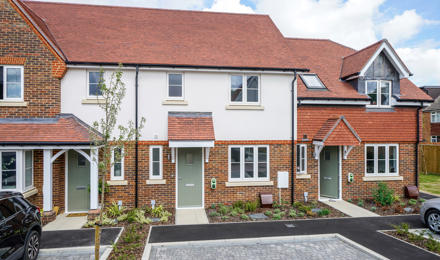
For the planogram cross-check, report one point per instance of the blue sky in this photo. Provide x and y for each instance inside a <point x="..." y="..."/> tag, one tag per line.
<point x="412" y="27"/>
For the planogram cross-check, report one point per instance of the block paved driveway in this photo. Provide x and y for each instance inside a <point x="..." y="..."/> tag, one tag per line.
<point x="360" y="230"/>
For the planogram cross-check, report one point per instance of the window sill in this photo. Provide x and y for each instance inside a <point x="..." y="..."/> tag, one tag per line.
<point x="13" y="103"/>
<point x="30" y="193"/>
<point x="248" y="183"/>
<point x="117" y="183"/>
<point x="382" y="178"/>
<point x="175" y="103"/>
<point x="156" y="181"/>
<point x="244" y="107"/>
<point x="303" y="176"/>
<point x="93" y="101"/>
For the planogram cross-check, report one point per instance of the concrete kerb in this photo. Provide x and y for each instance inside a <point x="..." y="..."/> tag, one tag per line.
<point x="401" y="240"/>
<point x="147" y="248"/>
<point x="265" y="240"/>
<point x="110" y="249"/>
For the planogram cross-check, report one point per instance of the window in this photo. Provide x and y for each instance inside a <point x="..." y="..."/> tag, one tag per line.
<point x="435" y="117"/>
<point x="17" y="170"/>
<point x="248" y="163"/>
<point x="245" y="89"/>
<point x="175" y="86"/>
<point x="8" y="170"/>
<point x="379" y="92"/>
<point x="382" y="159"/>
<point x="81" y="160"/>
<point x="11" y="83"/>
<point x="28" y="170"/>
<point x="117" y="171"/>
<point x="312" y="81"/>
<point x="156" y="162"/>
<point x="435" y="138"/>
<point x="301" y="158"/>
<point x="95" y="78"/>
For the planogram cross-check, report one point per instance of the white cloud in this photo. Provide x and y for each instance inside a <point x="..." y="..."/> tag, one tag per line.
<point x="423" y="63"/>
<point x="402" y="27"/>
<point x="349" y="22"/>
<point x="231" y="6"/>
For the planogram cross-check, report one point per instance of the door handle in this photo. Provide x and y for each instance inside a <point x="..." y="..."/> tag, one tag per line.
<point x="80" y="187"/>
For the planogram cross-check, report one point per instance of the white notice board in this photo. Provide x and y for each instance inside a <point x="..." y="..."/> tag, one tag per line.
<point x="283" y="180"/>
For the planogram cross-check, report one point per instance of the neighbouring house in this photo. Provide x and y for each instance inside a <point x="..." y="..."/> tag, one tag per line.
<point x="432" y="115"/>
<point x="226" y="98"/>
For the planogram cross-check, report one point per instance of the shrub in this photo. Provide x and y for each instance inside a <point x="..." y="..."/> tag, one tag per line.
<point x="301" y="214"/>
<point x="360" y="203"/>
<point x="282" y="213"/>
<point x="244" y="217"/>
<point x="225" y="217"/>
<point x="214" y="214"/>
<point x="238" y="204"/>
<point x="251" y="206"/>
<point x="131" y="235"/>
<point x="314" y="204"/>
<point x="297" y="204"/>
<point x="350" y="200"/>
<point x="157" y="211"/>
<point x="373" y="208"/>
<point x="114" y="211"/>
<point x="402" y="229"/>
<point x="304" y="209"/>
<point x="396" y="198"/>
<point x="421" y="200"/>
<point x="268" y="213"/>
<point x="276" y="216"/>
<point x="292" y="213"/>
<point x="234" y="213"/>
<point x="433" y="245"/>
<point x="213" y="206"/>
<point x="383" y="195"/>
<point x="223" y="210"/>
<point x="412" y="202"/>
<point x="240" y="211"/>
<point x="402" y="204"/>
<point x="276" y="211"/>
<point x="323" y="212"/>
<point x="276" y="205"/>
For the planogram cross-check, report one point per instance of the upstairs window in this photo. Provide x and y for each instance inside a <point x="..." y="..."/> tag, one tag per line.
<point x="94" y="89"/>
<point x="379" y="92"/>
<point x="312" y="81"/>
<point x="435" y="138"/>
<point x="245" y="89"/>
<point x="11" y="83"/>
<point x="175" y="86"/>
<point x="435" y="117"/>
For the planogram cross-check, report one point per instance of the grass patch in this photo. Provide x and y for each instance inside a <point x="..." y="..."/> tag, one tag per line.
<point x="430" y="183"/>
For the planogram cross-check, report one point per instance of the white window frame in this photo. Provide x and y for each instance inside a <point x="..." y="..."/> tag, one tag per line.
<point x="244" y="89"/>
<point x="387" y="158"/>
<point x="255" y="178"/>
<point x="160" y="177"/>
<point x="168" y="86"/>
<point x="317" y="77"/>
<point x="435" y="117"/>
<point x="5" y="97"/>
<point x="379" y="92"/>
<point x="88" y="83"/>
<point x="435" y="138"/>
<point x="112" y="176"/>
<point x="299" y="147"/>
<point x="19" y="171"/>
<point x="24" y="170"/>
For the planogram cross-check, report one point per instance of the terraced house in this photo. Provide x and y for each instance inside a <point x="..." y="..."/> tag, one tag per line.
<point x="233" y="108"/>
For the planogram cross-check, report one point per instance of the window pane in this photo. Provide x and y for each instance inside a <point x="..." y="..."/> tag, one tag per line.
<point x="175" y="79"/>
<point x="393" y="152"/>
<point x="13" y="90"/>
<point x="370" y="153"/>
<point x="370" y="166"/>
<point x="385" y="93"/>
<point x="249" y="154"/>
<point x="175" y="91"/>
<point x="235" y="155"/>
<point x="94" y="77"/>
<point x="312" y="81"/>
<point x="249" y="162"/>
<point x="9" y="174"/>
<point x="156" y="168"/>
<point x="303" y="165"/>
<point x="298" y="156"/>
<point x="156" y="154"/>
<point x="372" y="91"/>
<point x="262" y="154"/>
<point x="252" y="89"/>
<point x="235" y="170"/>
<point x="28" y="169"/>
<point x="9" y="161"/>
<point x="117" y="170"/>
<point x="117" y="155"/>
<point x="236" y="88"/>
<point x="381" y="152"/>
<point x="393" y="159"/>
<point x="252" y="95"/>
<point x="393" y="166"/>
<point x="94" y="88"/>
<point x="249" y="170"/>
<point x="81" y="161"/>
<point x="381" y="166"/>
<point x="262" y="170"/>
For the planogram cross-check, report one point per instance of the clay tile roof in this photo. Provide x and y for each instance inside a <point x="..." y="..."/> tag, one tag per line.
<point x="130" y="35"/>
<point x="409" y="91"/>
<point x="64" y="129"/>
<point x="354" y="63"/>
<point x="337" y="131"/>
<point x="434" y="107"/>
<point x="190" y="126"/>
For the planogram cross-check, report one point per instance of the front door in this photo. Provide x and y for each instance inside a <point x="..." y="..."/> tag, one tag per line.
<point x="189" y="178"/>
<point x="78" y="182"/>
<point x="329" y="172"/>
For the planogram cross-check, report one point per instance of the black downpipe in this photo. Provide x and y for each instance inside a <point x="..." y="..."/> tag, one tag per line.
<point x="137" y="139"/>
<point x="417" y="144"/>
<point x="293" y="139"/>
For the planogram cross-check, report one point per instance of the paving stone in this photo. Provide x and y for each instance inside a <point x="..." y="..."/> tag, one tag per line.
<point x="257" y="216"/>
<point x="408" y="210"/>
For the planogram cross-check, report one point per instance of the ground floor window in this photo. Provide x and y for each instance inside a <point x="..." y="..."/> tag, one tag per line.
<point x="382" y="159"/>
<point x="435" y="138"/>
<point x="249" y="163"/>
<point x="301" y="158"/>
<point x="117" y="171"/>
<point x="16" y="172"/>
<point x="156" y="162"/>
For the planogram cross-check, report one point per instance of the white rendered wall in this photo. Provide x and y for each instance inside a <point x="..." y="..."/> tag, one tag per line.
<point x="203" y="91"/>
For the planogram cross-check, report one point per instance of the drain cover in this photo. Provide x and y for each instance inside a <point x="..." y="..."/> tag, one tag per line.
<point x="290" y="225"/>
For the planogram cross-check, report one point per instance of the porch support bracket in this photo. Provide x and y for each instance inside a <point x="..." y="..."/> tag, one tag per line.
<point x="347" y="150"/>
<point x="318" y="148"/>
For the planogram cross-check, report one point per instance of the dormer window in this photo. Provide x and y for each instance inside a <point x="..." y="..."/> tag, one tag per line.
<point x="312" y="81"/>
<point x="379" y="92"/>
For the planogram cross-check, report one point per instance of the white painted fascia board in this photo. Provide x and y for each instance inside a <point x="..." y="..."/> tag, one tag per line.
<point x="411" y="103"/>
<point x="32" y="147"/>
<point x="404" y="73"/>
<point x="333" y="102"/>
<point x="187" y="144"/>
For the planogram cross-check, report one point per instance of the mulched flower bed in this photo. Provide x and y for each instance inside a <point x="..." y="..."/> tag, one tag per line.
<point x="221" y="213"/>
<point x="396" y="208"/>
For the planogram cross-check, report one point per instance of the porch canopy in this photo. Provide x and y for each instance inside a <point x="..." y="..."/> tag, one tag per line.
<point x="190" y="129"/>
<point x="61" y="133"/>
<point x="336" y="131"/>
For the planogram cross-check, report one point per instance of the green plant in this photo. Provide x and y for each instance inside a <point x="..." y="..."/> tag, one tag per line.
<point x="238" y="204"/>
<point x="323" y="212"/>
<point x="240" y="211"/>
<point x="285" y="202"/>
<point x="314" y="204"/>
<point x="301" y="214"/>
<point x="360" y="203"/>
<point x="131" y="235"/>
<point x="225" y="217"/>
<point x="297" y="204"/>
<point x="135" y="215"/>
<point x="234" y="213"/>
<point x="244" y="217"/>
<point x="396" y="198"/>
<point x="276" y="216"/>
<point x="114" y="210"/>
<point x="383" y="195"/>
<point x="251" y="206"/>
<point x="282" y="213"/>
<point x="276" y="205"/>
<point x="412" y="202"/>
<point x="421" y="200"/>
<point x="223" y="210"/>
<point x="304" y="209"/>
<point x="433" y="245"/>
<point x="214" y="214"/>
<point x="402" y="204"/>
<point x="157" y="211"/>
<point x="402" y="229"/>
<point x="373" y="209"/>
<point x="350" y="200"/>
<point x="292" y="213"/>
<point x="268" y="213"/>
<point x="213" y="206"/>
<point x="276" y="211"/>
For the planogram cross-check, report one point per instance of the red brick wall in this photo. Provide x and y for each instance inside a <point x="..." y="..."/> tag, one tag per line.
<point x="435" y="129"/>
<point x="19" y="43"/>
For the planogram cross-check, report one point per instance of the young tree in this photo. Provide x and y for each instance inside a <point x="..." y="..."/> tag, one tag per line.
<point x="107" y="136"/>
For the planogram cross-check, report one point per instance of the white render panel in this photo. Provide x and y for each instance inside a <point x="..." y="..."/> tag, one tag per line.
<point x="203" y="92"/>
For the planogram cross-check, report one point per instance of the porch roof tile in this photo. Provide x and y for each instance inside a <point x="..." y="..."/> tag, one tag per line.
<point x="190" y="126"/>
<point x="337" y="131"/>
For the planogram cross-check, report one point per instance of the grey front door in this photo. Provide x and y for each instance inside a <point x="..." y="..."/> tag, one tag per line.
<point x="78" y="182"/>
<point x="189" y="177"/>
<point x="329" y="171"/>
